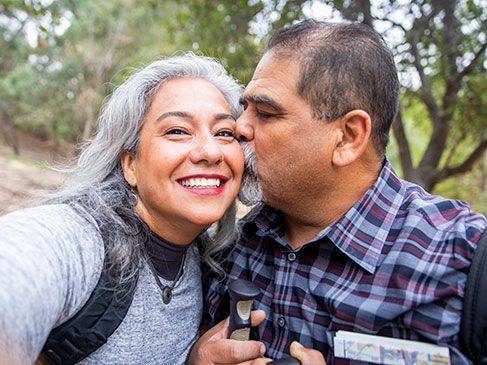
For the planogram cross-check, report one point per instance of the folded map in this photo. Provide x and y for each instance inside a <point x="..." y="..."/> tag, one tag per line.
<point x="388" y="351"/>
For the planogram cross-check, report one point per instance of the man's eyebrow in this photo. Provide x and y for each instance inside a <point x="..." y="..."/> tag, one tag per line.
<point x="262" y="99"/>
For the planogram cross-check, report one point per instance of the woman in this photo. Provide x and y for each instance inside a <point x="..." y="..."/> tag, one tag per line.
<point x="163" y="166"/>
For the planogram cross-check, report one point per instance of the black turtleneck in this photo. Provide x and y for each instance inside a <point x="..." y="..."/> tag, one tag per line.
<point x="166" y="257"/>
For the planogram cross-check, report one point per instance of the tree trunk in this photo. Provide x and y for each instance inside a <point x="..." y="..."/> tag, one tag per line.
<point x="9" y="134"/>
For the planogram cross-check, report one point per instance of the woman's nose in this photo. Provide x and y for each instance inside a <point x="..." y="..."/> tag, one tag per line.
<point x="207" y="150"/>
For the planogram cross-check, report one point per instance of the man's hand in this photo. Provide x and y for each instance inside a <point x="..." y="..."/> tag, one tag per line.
<point x="306" y="356"/>
<point x="214" y="347"/>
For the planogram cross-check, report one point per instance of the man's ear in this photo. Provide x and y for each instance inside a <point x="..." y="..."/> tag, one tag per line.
<point x="355" y="128"/>
<point x="129" y="167"/>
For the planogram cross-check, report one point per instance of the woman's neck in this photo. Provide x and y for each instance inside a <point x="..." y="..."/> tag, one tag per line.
<point x="174" y="232"/>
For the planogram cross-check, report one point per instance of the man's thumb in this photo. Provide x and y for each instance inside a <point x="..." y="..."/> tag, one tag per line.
<point x="306" y="356"/>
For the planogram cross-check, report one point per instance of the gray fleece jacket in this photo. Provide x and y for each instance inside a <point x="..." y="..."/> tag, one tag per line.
<point x="50" y="261"/>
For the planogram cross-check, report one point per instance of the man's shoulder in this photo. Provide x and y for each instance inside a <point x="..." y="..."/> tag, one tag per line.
<point x="408" y="203"/>
<point x="435" y="215"/>
<point x="439" y="213"/>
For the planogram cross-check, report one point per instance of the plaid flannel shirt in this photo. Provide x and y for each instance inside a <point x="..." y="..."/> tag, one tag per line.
<point x="395" y="264"/>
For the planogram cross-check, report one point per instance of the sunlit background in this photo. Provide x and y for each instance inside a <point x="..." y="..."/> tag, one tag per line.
<point x="60" y="59"/>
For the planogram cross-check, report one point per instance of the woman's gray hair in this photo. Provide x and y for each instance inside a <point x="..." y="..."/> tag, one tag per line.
<point x="95" y="185"/>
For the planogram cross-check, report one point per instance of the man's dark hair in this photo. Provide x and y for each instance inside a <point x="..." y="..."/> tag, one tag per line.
<point x="343" y="67"/>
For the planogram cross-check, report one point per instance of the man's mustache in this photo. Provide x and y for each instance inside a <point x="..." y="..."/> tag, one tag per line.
<point x="250" y="163"/>
<point x="250" y="191"/>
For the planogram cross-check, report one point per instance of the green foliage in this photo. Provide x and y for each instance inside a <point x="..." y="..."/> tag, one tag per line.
<point x="224" y="29"/>
<point x="220" y="29"/>
<point x="65" y="57"/>
<point x="59" y="59"/>
<point x="471" y="187"/>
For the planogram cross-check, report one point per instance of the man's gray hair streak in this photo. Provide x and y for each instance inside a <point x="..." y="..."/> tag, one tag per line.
<point x="95" y="185"/>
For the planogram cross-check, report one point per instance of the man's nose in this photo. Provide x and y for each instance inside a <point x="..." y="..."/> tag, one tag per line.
<point x="207" y="150"/>
<point x="244" y="130"/>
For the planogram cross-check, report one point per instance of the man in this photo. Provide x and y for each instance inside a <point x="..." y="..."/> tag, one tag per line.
<point x="340" y="242"/>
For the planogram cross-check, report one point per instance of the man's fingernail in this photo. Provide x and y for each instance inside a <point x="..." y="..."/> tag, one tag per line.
<point x="262" y="349"/>
<point x="296" y="350"/>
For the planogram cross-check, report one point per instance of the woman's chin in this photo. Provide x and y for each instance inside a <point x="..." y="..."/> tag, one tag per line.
<point x="205" y="218"/>
<point x="204" y="222"/>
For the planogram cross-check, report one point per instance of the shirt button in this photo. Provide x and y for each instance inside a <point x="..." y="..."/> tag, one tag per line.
<point x="281" y="322"/>
<point x="291" y="256"/>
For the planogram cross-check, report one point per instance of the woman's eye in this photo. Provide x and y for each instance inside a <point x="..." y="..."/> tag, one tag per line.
<point x="176" y="131"/>
<point x="226" y="133"/>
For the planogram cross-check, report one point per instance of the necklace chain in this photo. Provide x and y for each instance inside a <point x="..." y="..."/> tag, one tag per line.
<point x="165" y="290"/>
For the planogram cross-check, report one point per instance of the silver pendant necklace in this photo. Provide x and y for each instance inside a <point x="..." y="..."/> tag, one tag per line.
<point x="165" y="290"/>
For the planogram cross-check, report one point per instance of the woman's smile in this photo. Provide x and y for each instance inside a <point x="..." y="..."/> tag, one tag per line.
<point x="204" y="184"/>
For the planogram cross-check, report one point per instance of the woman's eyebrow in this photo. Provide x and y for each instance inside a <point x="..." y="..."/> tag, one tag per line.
<point x="175" y="114"/>
<point x="186" y="115"/>
<point x="223" y="116"/>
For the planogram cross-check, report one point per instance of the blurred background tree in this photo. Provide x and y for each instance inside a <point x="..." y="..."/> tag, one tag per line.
<point x="60" y="58"/>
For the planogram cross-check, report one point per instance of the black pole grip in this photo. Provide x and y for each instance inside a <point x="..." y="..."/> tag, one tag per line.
<point x="285" y="361"/>
<point x="242" y="293"/>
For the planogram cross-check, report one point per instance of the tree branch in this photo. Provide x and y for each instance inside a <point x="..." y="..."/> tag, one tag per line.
<point x="416" y="31"/>
<point x="403" y="145"/>
<point x="473" y="63"/>
<point x="364" y="7"/>
<point x="396" y="24"/>
<point x="354" y="9"/>
<point x="454" y="148"/>
<point x="465" y="166"/>
<point x="450" y="54"/>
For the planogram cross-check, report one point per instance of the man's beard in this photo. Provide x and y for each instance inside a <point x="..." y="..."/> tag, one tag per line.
<point x="250" y="191"/>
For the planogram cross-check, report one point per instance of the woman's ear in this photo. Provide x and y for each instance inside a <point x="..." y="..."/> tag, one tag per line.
<point x="129" y="167"/>
<point x="355" y="133"/>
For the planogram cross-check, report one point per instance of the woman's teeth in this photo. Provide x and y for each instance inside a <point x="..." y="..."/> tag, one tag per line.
<point x="200" y="183"/>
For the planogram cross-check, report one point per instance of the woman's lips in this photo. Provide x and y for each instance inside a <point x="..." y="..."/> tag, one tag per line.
<point x="204" y="184"/>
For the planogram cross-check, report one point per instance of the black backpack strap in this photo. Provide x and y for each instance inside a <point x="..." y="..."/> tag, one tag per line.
<point x="473" y="335"/>
<point x="91" y="326"/>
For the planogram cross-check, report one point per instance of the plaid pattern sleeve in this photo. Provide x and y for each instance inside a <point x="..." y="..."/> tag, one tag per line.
<point x="394" y="265"/>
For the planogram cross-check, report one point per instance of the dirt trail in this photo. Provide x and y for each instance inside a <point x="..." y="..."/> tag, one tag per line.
<point x="24" y="178"/>
<point x="21" y="180"/>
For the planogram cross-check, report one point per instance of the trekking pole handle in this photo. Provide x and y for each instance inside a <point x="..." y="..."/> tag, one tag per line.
<point x="242" y="294"/>
<point x="285" y="361"/>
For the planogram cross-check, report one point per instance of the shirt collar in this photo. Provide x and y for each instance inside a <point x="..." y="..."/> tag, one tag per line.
<point x="360" y="233"/>
<point x="268" y="220"/>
